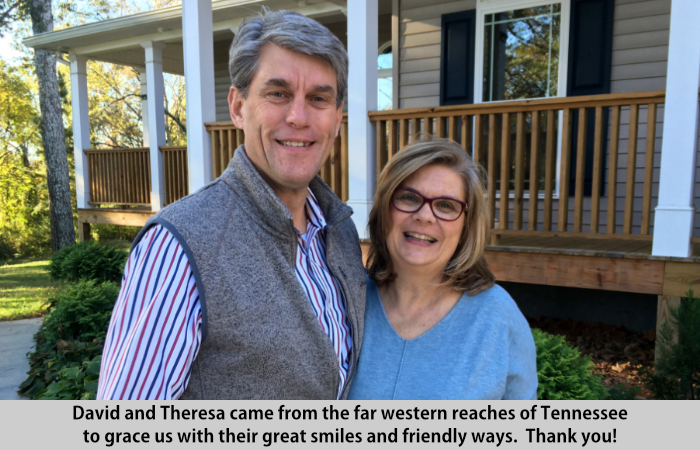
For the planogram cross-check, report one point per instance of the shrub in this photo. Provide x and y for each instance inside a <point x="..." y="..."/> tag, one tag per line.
<point x="64" y="369"/>
<point x="76" y="382"/>
<point x="88" y="260"/>
<point x="81" y="313"/>
<point x="563" y="373"/>
<point x="677" y="369"/>
<point x="7" y="252"/>
<point x="66" y="362"/>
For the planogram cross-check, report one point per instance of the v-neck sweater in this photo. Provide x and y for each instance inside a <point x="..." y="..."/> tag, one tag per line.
<point x="482" y="349"/>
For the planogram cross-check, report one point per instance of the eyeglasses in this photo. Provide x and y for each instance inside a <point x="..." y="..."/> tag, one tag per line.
<point x="444" y="208"/>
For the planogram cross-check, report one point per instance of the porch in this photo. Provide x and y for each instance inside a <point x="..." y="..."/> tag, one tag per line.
<point x="579" y="189"/>
<point x="602" y="239"/>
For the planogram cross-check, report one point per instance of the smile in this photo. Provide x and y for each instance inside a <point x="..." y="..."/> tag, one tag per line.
<point x="420" y="237"/>
<point x="295" y="143"/>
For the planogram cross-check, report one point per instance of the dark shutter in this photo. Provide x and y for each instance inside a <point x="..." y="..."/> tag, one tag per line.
<point x="457" y="58"/>
<point x="590" y="60"/>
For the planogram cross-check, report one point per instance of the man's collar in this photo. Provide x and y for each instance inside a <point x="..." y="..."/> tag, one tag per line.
<point x="265" y="207"/>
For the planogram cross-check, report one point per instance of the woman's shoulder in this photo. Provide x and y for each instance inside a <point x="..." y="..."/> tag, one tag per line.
<point x="494" y="296"/>
<point x="495" y="301"/>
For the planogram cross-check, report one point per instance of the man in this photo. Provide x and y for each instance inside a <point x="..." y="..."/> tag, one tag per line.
<point x="253" y="287"/>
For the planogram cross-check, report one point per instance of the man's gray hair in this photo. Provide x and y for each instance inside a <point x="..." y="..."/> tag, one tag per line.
<point x="291" y="31"/>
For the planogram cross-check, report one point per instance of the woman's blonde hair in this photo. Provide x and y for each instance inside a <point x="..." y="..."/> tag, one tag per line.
<point x="467" y="270"/>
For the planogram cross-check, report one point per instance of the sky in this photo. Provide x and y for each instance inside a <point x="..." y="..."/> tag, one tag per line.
<point x="7" y="52"/>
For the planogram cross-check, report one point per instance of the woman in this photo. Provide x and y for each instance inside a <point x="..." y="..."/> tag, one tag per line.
<point x="436" y="324"/>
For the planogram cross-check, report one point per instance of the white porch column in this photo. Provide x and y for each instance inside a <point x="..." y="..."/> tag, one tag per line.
<point x="673" y="224"/>
<point x="81" y="126"/>
<point x="362" y="97"/>
<point x="144" y="102"/>
<point x="198" y="48"/>
<point x="156" y="119"/>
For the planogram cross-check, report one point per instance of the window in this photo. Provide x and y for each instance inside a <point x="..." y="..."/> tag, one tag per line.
<point x="385" y="62"/>
<point x="521" y="49"/>
<point x="507" y="50"/>
<point x="521" y="53"/>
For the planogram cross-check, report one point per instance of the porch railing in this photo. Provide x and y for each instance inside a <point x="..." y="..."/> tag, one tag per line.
<point x="119" y="177"/>
<point x="535" y="174"/>
<point x="226" y="138"/>
<point x="175" y="173"/>
<point x="123" y="176"/>
<point x="519" y="144"/>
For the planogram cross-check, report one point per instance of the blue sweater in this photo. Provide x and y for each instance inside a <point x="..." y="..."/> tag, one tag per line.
<point x="482" y="349"/>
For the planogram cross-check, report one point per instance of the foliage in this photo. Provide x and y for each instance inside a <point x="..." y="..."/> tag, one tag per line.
<point x="677" y="369"/>
<point x="66" y="363"/>
<point x="55" y="363"/>
<point x="563" y="373"/>
<point x="7" y="251"/>
<point x="82" y="312"/>
<point x="89" y="260"/>
<point x="623" y="392"/>
<point x="24" y="205"/>
<point x="76" y="382"/>
<point x="115" y="116"/>
<point x="24" y="287"/>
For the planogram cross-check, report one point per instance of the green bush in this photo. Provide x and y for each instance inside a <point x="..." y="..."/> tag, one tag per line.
<point x="66" y="362"/>
<point x="89" y="260"/>
<point x="677" y="369"/>
<point x="7" y="252"/>
<point x="82" y="312"/>
<point x="64" y="369"/>
<point x="76" y="382"/>
<point x="563" y="373"/>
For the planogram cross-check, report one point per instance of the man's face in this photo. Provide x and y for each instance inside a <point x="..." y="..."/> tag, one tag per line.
<point x="289" y="117"/>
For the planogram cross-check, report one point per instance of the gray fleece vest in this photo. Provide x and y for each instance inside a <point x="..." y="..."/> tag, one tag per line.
<point x="262" y="338"/>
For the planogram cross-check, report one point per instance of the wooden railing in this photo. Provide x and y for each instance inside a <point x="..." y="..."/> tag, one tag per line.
<point x="518" y="141"/>
<point x="175" y="173"/>
<point x="119" y="177"/>
<point x="226" y="138"/>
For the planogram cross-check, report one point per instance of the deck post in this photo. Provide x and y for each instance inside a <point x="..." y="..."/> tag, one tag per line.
<point x="362" y="97"/>
<point x="198" y="48"/>
<point x="673" y="223"/>
<point x="143" y="77"/>
<point x="156" y="124"/>
<point x="81" y="127"/>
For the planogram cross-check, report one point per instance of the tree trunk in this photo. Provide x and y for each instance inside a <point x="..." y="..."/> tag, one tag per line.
<point x="52" y="133"/>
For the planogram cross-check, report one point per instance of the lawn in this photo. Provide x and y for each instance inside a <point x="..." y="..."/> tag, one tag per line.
<point x="25" y="286"/>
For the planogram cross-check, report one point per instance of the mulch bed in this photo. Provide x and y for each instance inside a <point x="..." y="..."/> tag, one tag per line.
<point x="617" y="354"/>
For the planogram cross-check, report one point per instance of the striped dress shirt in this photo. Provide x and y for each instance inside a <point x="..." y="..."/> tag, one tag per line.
<point x="155" y="331"/>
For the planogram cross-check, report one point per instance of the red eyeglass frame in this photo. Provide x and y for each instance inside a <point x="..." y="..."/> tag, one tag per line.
<point x="430" y="200"/>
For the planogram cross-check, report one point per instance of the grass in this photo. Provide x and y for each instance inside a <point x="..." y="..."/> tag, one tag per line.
<point x="25" y="286"/>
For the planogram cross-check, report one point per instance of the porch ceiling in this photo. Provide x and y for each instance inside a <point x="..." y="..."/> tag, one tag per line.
<point x="119" y="40"/>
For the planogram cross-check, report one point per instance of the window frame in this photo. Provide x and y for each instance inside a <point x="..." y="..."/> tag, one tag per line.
<point x="484" y="7"/>
<point x="385" y="73"/>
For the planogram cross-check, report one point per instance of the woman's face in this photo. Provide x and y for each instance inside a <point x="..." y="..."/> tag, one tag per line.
<point x="419" y="240"/>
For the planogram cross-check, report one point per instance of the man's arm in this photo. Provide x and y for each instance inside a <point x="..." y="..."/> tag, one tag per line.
<point x="155" y="331"/>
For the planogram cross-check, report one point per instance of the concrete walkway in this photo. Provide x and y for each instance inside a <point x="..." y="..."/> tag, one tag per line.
<point x="15" y="341"/>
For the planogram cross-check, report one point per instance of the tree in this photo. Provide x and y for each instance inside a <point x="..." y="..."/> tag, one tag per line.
<point x="52" y="133"/>
<point x="115" y="118"/>
<point x="24" y="218"/>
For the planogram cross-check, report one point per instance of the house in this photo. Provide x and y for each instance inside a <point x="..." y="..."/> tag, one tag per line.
<point x="567" y="102"/>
